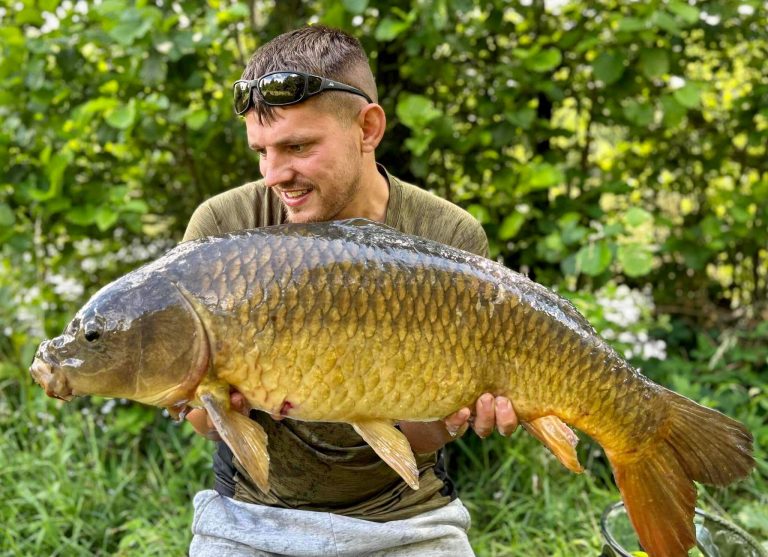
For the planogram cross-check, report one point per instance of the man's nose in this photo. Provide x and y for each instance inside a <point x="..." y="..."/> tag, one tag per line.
<point x="276" y="170"/>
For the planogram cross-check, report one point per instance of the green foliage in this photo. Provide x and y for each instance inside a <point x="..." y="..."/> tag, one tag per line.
<point x="614" y="151"/>
<point x="93" y="477"/>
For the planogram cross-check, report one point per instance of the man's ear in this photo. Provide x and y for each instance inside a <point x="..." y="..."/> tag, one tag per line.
<point x="373" y="122"/>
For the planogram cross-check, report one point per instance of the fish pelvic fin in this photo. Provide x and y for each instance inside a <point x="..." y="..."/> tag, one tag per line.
<point x="558" y="438"/>
<point x="246" y="438"/>
<point x="392" y="446"/>
<point x="694" y="443"/>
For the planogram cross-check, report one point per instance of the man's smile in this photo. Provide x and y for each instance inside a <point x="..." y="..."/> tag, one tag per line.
<point x="295" y="197"/>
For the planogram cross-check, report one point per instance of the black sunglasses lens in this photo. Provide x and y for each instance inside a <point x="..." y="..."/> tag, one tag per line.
<point x="241" y="92"/>
<point x="314" y="84"/>
<point x="282" y="88"/>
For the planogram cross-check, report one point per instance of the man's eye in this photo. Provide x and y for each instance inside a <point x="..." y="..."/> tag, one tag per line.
<point x="298" y="148"/>
<point x="262" y="153"/>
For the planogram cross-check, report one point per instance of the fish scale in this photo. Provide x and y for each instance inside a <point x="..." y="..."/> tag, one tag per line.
<point x="353" y="322"/>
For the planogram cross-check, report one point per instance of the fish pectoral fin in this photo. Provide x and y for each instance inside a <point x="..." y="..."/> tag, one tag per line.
<point x="392" y="446"/>
<point x="558" y="438"/>
<point x="246" y="438"/>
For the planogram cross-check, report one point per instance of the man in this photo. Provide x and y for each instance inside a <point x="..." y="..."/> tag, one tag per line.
<point x="308" y="98"/>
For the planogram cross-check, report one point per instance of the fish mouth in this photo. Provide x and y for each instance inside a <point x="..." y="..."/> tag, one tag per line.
<point x="51" y="379"/>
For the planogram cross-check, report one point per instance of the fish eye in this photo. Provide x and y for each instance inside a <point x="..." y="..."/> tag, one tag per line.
<point x="92" y="331"/>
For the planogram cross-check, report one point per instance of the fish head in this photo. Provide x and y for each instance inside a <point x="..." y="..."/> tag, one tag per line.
<point x="137" y="338"/>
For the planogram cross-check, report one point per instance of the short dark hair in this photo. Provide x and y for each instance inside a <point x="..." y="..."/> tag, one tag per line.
<point x="318" y="50"/>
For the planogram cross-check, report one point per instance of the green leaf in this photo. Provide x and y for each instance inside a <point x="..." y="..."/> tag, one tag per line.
<point x="28" y="15"/>
<point x="689" y="95"/>
<point x="544" y="176"/>
<point x="594" y="258"/>
<point x="571" y="231"/>
<point x="237" y="12"/>
<point x="636" y="216"/>
<point x="153" y="70"/>
<point x="674" y="112"/>
<point x="654" y="62"/>
<point x="135" y="206"/>
<point x="196" y="119"/>
<point x="55" y="169"/>
<point x="689" y="14"/>
<point x="522" y="118"/>
<point x="544" y="61"/>
<point x="123" y="116"/>
<point x="83" y="215"/>
<point x="666" y="22"/>
<point x="511" y="225"/>
<point x="124" y="33"/>
<point x="635" y="259"/>
<point x="640" y="114"/>
<point x="7" y="218"/>
<point x="480" y="213"/>
<point x="355" y="6"/>
<point x="416" y="111"/>
<point x="608" y="67"/>
<point x="105" y="218"/>
<point x="85" y="112"/>
<point x="335" y="15"/>
<point x="419" y="143"/>
<point x="551" y="247"/>
<point x="390" y="28"/>
<point x="632" y="24"/>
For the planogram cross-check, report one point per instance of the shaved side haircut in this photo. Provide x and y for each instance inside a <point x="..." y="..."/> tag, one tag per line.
<point x="322" y="51"/>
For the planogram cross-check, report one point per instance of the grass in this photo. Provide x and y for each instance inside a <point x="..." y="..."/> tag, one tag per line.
<point x="523" y="502"/>
<point x="78" y="482"/>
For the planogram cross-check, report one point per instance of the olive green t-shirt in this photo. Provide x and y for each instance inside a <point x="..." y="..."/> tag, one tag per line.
<point x="327" y="466"/>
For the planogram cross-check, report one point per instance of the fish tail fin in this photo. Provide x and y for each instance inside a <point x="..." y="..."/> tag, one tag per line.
<point x="693" y="443"/>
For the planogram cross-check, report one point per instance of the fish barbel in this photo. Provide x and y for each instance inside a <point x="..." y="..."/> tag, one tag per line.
<point x="351" y="321"/>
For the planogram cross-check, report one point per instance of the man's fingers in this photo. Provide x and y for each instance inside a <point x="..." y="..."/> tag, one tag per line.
<point x="506" y="419"/>
<point x="494" y="412"/>
<point x="485" y="419"/>
<point x="239" y="403"/>
<point x="458" y="422"/>
<point x="202" y="424"/>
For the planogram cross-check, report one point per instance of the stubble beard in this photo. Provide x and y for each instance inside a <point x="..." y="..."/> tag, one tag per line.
<point x="328" y="204"/>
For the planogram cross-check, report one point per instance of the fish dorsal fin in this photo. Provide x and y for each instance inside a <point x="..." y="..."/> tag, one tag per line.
<point x="245" y="437"/>
<point x="558" y="438"/>
<point x="392" y="446"/>
<point x="358" y="221"/>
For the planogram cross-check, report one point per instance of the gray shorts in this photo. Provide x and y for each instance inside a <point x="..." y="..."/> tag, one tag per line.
<point x="223" y="527"/>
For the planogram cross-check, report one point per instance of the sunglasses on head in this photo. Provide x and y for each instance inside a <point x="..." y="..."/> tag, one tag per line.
<point x="284" y="88"/>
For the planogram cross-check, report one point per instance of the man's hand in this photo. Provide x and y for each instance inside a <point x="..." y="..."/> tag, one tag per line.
<point x="202" y="423"/>
<point x="490" y="412"/>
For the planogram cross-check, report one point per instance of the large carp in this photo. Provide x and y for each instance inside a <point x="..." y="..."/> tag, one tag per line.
<point x="353" y="322"/>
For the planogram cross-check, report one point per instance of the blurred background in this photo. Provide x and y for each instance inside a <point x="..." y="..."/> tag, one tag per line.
<point x="613" y="151"/>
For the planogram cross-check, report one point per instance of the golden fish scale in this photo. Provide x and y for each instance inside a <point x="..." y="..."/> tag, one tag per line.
<point x="344" y="332"/>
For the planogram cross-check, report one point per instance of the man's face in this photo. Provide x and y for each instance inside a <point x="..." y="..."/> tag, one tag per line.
<point x="312" y="160"/>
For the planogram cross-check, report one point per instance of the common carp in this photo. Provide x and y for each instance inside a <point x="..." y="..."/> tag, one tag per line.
<point x="351" y="321"/>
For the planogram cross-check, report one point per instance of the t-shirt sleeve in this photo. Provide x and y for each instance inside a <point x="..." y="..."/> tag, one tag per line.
<point x="202" y="223"/>
<point x="470" y="236"/>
